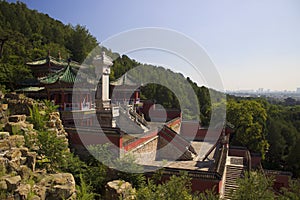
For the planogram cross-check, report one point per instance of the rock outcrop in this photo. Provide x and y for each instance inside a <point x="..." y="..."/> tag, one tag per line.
<point x="18" y="174"/>
<point x="119" y="188"/>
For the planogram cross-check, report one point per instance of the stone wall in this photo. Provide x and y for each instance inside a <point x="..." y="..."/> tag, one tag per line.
<point x="146" y="152"/>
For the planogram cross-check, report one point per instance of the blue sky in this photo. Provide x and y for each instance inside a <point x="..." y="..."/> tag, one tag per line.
<point x="254" y="44"/>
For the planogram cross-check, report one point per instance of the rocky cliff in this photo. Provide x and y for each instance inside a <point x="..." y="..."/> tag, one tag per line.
<point x="19" y="178"/>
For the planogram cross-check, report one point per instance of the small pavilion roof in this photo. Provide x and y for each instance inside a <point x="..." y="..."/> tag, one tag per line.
<point x="67" y="75"/>
<point x="53" y="61"/>
<point x="30" y="89"/>
<point x="125" y="79"/>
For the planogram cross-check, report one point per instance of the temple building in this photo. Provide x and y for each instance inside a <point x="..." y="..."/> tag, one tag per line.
<point x="171" y="144"/>
<point x="44" y="67"/>
<point x="74" y="103"/>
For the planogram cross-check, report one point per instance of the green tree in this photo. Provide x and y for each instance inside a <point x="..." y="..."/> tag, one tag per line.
<point x="84" y="191"/>
<point x="249" y="118"/>
<point x="53" y="150"/>
<point x="293" y="159"/>
<point x="292" y="192"/>
<point x="254" y="186"/>
<point x="80" y="42"/>
<point x="37" y="118"/>
<point x="178" y="187"/>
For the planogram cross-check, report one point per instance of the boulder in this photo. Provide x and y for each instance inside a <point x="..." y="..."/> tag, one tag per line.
<point x="59" y="186"/>
<point x="31" y="160"/>
<point x="17" y="118"/>
<point x="17" y="128"/>
<point x="23" y="160"/>
<point x="54" y="116"/>
<point x="12" y="183"/>
<point x="60" y="192"/>
<point x="16" y="140"/>
<point x="4" y="145"/>
<point x="4" y="106"/>
<point x="18" y="104"/>
<point x="26" y="127"/>
<point x="3" y="164"/>
<point x="13" y="166"/>
<point x="3" y="185"/>
<point x="13" y="127"/>
<point x="24" y="151"/>
<point x="22" y="191"/>
<point x="10" y="197"/>
<point x="35" y="197"/>
<point x="119" y="188"/>
<point x="13" y="154"/>
<point x="40" y="191"/>
<point x="25" y="172"/>
<point x="4" y="135"/>
<point x="51" y="124"/>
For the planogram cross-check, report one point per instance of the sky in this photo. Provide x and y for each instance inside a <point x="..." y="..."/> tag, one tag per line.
<point x="252" y="43"/>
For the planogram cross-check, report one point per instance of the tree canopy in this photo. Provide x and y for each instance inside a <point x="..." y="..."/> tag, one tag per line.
<point x="27" y="35"/>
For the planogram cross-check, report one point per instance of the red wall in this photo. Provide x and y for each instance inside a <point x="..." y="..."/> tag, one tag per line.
<point x="255" y="160"/>
<point x="92" y="139"/>
<point x="202" y="185"/>
<point x="281" y="181"/>
<point x="237" y="152"/>
<point x="140" y="141"/>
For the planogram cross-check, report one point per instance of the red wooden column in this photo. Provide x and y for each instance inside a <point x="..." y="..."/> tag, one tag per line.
<point x="80" y="101"/>
<point x="55" y="98"/>
<point x="63" y="100"/>
<point x="136" y="95"/>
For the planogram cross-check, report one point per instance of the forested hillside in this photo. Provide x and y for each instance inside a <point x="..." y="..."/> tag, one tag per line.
<point x="27" y="35"/>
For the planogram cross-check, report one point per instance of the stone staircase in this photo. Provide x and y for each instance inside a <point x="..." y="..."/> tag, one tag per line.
<point x="127" y="124"/>
<point x="234" y="170"/>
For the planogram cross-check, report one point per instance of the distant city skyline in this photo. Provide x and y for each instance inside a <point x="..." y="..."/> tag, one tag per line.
<point x="254" y="44"/>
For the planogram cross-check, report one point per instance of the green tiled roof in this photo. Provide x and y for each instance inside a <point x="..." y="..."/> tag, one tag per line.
<point x="53" y="61"/>
<point x="37" y="62"/>
<point x="67" y="75"/>
<point x="30" y="89"/>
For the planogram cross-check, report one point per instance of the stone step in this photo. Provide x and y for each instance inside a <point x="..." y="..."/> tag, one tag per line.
<point x="233" y="178"/>
<point x="231" y="185"/>
<point x="233" y="173"/>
